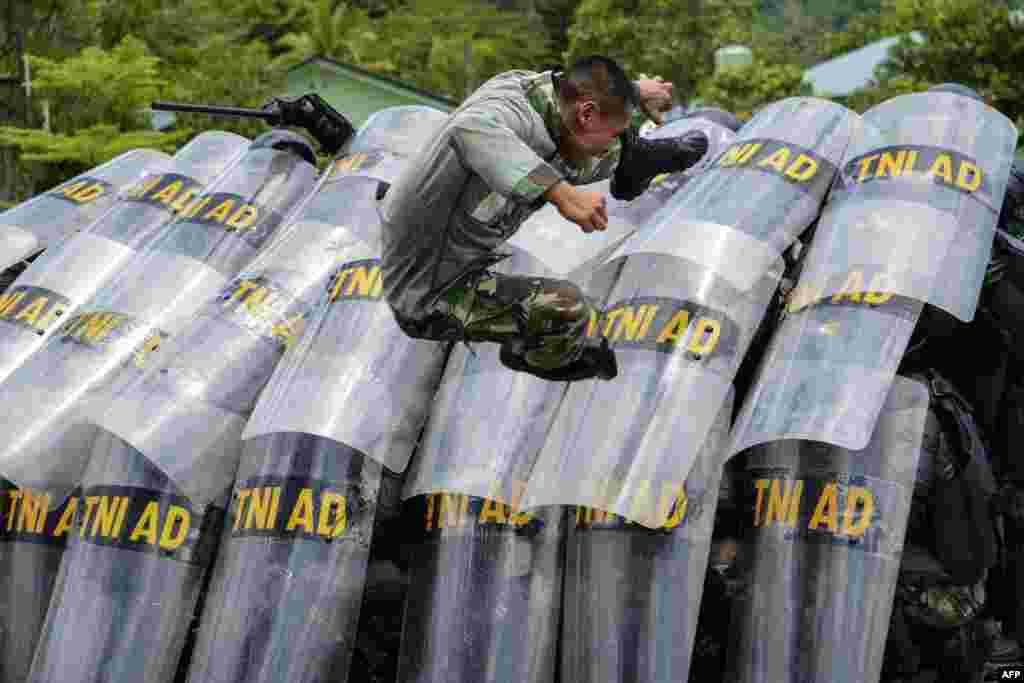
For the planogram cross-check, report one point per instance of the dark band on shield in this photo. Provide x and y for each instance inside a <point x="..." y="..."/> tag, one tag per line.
<point x="108" y="330"/>
<point x="33" y="515"/>
<point x="797" y="165"/>
<point x="833" y="508"/>
<point x="32" y="308"/>
<point x="147" y="521"/>
<point x="297" y="507"/>
<point x="356" y="281"/>
<point x="667" y="325"/>
<point x="82" y="190"/>
<point x="263" y="307"/>
<point x="443" y="513"/>
<point x="233" y="214"/>
<point x="356" y="164"/>
<point x="912" y="163"/>
<point x="170" y="191"/>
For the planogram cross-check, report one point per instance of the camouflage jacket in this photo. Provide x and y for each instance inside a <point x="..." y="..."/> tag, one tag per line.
<point x="470" y="188"/>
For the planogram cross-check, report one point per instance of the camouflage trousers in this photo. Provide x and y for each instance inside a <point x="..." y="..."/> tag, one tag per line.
<point x="550" y="316"/>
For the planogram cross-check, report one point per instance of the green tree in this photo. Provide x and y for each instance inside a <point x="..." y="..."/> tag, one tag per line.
<point x="744" y="90"/>
<point x="96" y="101"/>
<point x="676" y="40"/>
<point x="451" y="46"/>
<point x="967" y="41"/>
<point x="337" y="30"/>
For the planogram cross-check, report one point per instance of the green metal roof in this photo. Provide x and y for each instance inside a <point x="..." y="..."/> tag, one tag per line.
<point x="358" y="92"/>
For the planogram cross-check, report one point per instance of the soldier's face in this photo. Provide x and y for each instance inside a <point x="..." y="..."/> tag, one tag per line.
<point x="595" y="130"/>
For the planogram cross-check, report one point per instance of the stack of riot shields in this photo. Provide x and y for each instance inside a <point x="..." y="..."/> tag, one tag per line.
<point x="689" y="291"/>
<point x="486" y="577"/>
<point x="72" y="271"/>
<point x="38" y="406"/>
<point x="32" y="226"/>
<point x="910" y="222"/>
<point x="350" y="392"/>
<point x="124" y="514"/>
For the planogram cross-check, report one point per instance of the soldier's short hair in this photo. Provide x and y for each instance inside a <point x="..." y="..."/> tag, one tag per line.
<point x="602" y="80"/>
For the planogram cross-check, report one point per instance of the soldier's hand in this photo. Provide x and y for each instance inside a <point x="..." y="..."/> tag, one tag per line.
<point x="655" y="97"/>
<point x="586" y="209"/>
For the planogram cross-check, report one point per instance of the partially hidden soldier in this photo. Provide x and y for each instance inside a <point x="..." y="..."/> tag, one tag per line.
<point x="522" y="139"/>
<point x="961" y="581"/>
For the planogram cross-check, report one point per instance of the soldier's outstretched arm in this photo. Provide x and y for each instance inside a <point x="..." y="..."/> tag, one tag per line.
<point x="642" y="160"/>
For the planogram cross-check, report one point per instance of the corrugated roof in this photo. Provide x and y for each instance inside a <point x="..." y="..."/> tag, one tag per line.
<point x="846" y="73"/>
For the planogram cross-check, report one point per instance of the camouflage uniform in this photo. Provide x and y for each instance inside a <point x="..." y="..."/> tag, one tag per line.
<point x="465" y="194"/>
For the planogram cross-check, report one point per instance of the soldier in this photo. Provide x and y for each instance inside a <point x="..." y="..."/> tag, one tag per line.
<point x="521" y="139"/>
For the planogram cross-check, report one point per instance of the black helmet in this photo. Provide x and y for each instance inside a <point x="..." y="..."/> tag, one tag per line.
<point x="286" y="140"/>
<point x="1011" y="217"/>
<point x="956" y="89"/>
<point x="715" y="115"/>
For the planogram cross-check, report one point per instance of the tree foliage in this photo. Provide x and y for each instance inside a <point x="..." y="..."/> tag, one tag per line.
<point x="96" y="101"/>
<point x="744" y="90"/>
<point x="967" y="41"/>
<point x="451" y="46"/>
<point x="671" y="38"/>
<point x="98" y="63"/>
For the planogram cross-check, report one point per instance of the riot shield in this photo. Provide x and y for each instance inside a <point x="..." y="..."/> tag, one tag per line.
<point x="563" y="249"/>
<point x="692" y="288"/>
<point x="632" y="594"/>
<point x="70" y="272"/>
<point x="34" y="527"/>
<point x="917" y="199"/>
<point x="323" y="493"/>
<point x="285" y="595"/>
<point x="484" y="581"/>
<point x="898" y="232"/>
<point x="822" y="553"/>
<point x="354" y="377"/>
<point x="32" y="226"/>
<point x="150" y="299"/>
<point x="41" y="415"/>
<point x="130" y="576"/>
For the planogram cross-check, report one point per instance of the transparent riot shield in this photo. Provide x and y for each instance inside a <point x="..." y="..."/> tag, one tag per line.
<point x="285" y="596"/>
<point x="916" y="204"/>
<point x="898" y="232"/>
<point x="781" y="164"/>
<point x="34" y="528"/>
<point x="692" y="289"/>
<point x="484" y="591"/>
<point x="130" y="576"/>
<point x="827" y="372"/>
<point x="563" y="248"/>
<point x="47" y="218"/>
<point x="354" y="377"/>
<point x="70" y="272"/>
<point x="150" y="299"/>
<point x="822" y="552"/>
<point x="48" y="443"/>
<point x="326" y="493"/>
<point x="153" y="297"/>
<point x="632" y="594"/>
